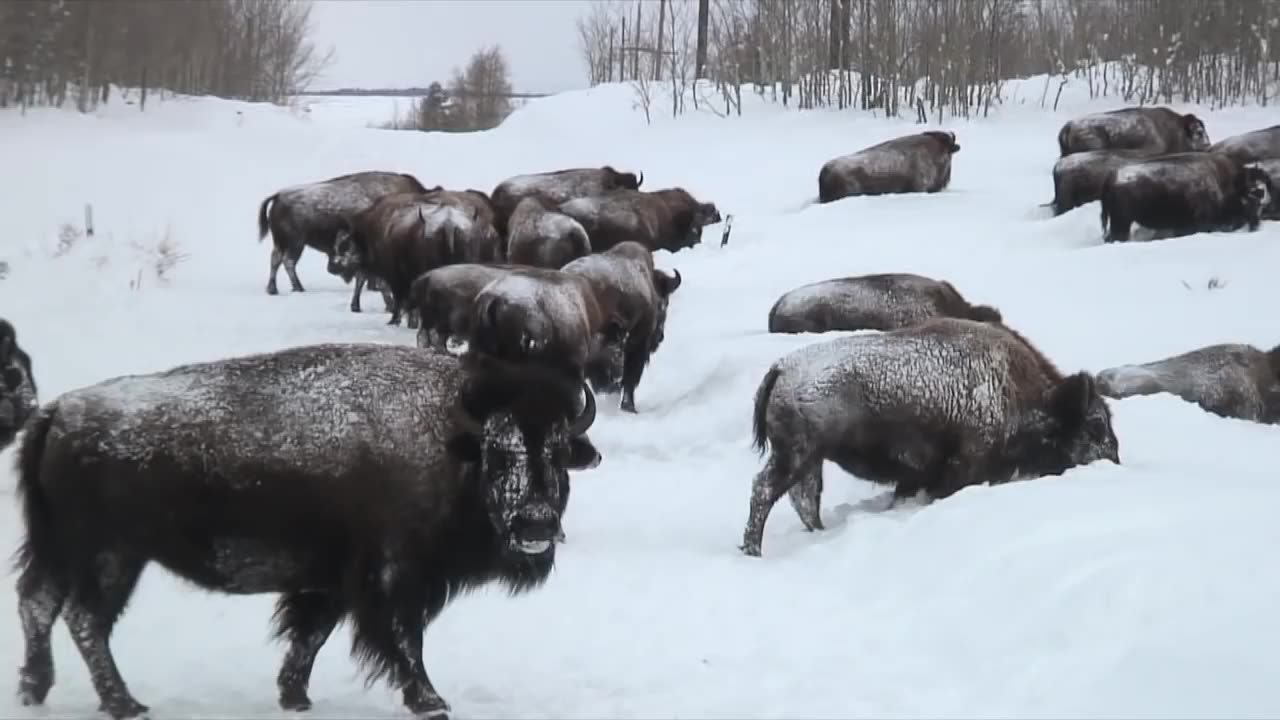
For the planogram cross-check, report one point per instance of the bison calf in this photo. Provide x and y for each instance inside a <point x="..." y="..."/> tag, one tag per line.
<point x="18" y="395"/>
<point x="871" y="302"/>
<point x="1231" y="380"/>
<point x="910" y="164"/>
<point x="540" y="235"/>
<point x="1157" y="129"/>
<point x="1183" y="194"/>
<point x="900" y="408"/>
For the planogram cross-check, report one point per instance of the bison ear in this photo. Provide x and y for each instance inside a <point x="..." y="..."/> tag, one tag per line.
<point x="1069" y="402"/>
<point x="582" y="454"/>
<point x="666" y="284"/>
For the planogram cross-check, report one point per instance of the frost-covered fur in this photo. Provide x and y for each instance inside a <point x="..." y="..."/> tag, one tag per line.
<point x="540" y="235"/>
<point x="484" y="243"/>
<point x="669" y="219"/>
<point x="444" y="297"/>
<point x="19" y="397"/>
<point x="1078" y="177"/>
<point x="557" y="187"/>
<point x="1232" y="380"/>
<point x="546" y="317"/>
<point x="636" y="296"/>
<point x="311" y="215"/>
<point x="1157" y="129"/>
<point x="1182" y="194"/>
<point x="371" y="483"/>
<point x="871" y="302"/>
<point x="910" y="164"/>
<point x="398" y="239"/>
<point x="1252" y="146"/>
<point x="1272" y="169"/>
<point x="934" y="407"/>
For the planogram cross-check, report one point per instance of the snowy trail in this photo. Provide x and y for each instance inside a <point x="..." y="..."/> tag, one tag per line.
<point x="1145" y="590"/>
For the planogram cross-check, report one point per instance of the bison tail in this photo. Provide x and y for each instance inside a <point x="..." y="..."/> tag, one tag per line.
<point x="36" y="552"/>
<point x="760" y="428"/>
<point x="1104" y="218"/>
<point x="263" y="220"/>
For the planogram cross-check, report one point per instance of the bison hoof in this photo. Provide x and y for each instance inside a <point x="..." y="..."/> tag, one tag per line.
<point x="355" y="307"/>
<point x="295" y="700"/>
<point x="125" y="709"/>
<point x="272" y="290"/>
<point x="430" y="708"/>
<point x="628" y="405"/>
<point x="750" y="549"/>
<point x="33" y="687"/>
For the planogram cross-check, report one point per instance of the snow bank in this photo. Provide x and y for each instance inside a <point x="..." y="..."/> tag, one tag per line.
<point x="1144" y="590"/>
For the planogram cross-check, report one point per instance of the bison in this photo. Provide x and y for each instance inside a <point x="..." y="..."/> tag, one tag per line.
<point x="1252" y="146"/>
<point x="1272" y="169"/>
<point x="398" y="239"/>
<point x="871" y="302"/>
<point x="1078" y="178"/>
<point x="484" y="243"/>
<point x="917" y="163"/>
<point x="1158" y="129"/>
<point x="669" y="219"/>
<point x="1184" y="193"/>
<point x="390" y="482"/>
<point x="444" y="297"/>
<point x="640" y="296"/>
<point x="936" y="407"/>
<point x="1231" y="380"/>
<point x="19" y="397"/>
<point x="558" y="186"/>
<point x="546" y="317"/>
<point x="539" y="235"/>
<point x="312" y="214"/>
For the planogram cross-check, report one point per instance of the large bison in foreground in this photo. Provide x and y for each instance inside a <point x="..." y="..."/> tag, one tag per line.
<point x="917" y="163"/>
<point x="18" y="395"/>
<point x="1078" y="178"/>
<point x="1232" y="380"/>
<point x="311" y="215"/>
<point x="669" y="219"/>
<point x="901" y="408"/>
<point x="1182" y="194"/>
<point x="1157" y="129"/>
<point x="557" y="187"/>
<point x="390" y="481"/>
<point x="884" y="301"/>
<point x="1252" y="146"/>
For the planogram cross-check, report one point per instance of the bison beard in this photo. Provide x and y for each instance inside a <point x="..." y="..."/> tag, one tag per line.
<point x="393" y="481"/>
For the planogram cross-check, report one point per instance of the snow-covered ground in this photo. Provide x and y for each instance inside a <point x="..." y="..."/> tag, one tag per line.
<point x="1144" y="590"/>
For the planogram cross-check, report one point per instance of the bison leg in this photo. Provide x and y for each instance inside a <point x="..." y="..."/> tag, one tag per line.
<point x="40" y="599"/>
<point x="307" y="620"/>
<point x="291" y="267"/>
<point x="277" y="257"/>
<point x="356" y="291"/>
<point x="806" y="496"/>
<point x="388" y="302"/>
<point x="634" y="360"/>
<point x="769" y="486"/>
<point x="389" y="633"/>
<point x="1118" y="230"/>
<point x="91" y="613"/>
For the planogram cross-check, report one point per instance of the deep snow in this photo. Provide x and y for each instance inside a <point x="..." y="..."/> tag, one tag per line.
<point x="1145" y="590"/>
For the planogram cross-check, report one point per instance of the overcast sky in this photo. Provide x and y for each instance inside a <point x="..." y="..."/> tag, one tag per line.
<point x="403" y="43"/>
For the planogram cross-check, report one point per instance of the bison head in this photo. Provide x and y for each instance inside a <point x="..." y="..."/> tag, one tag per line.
<point x="18" y="397"/>
<point x="947" y="140"/>
<point x="521" y="430"/>
<point x="1257" y="195"/>
<point x="1197" y="136"/>
<point x="1075" y="429"/>
<point x="347" y="258"/>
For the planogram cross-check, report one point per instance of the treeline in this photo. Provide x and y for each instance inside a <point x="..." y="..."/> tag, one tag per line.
<point x="256" y="50"/>
<point x="946" y="56"/>
<point x="478" y="97"/>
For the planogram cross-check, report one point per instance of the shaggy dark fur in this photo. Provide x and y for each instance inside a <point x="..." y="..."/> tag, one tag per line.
<point x="444" y="298"/>
<point x="557" y="187"/>
<point x="1078" y="178"/>
<point x="19" y="397"/>
<point x="917" y="163"/>
<point x="884" y="301"/>
<point x="669" y="219"/>
<point x="1183" y="194"/>
<point x="899" y="408"/>
<point x="1252" y="146"/>
<point x="539" y="235"/>
<point x="1157" y="129"/>
<point x="310" y="215"/>
<point x="375" y="501"/>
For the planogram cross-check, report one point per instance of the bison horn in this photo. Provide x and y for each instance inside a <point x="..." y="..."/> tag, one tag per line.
<point x="676" y="284"/>
<point x="588" y="414"/>
<point x="640" y="180"/>
<point x="466" y="420"/>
